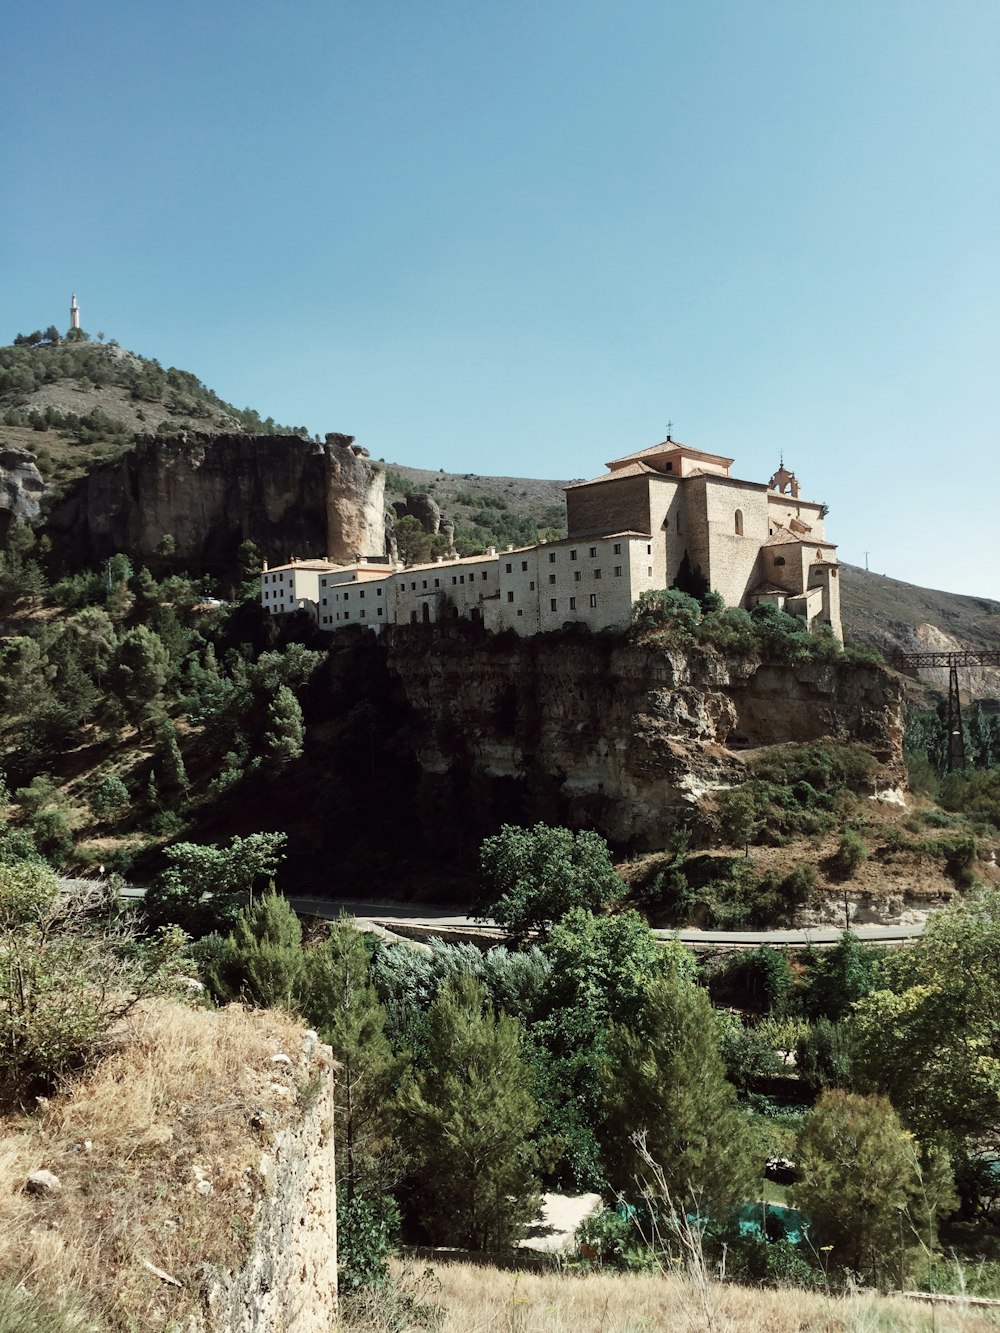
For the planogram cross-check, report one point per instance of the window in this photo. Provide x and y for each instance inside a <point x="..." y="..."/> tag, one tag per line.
<point x="413" y="587"/>
<point x="378" y="593"/>
<point x="738" y="520"/>
<point x="552" y="578"/>
<point x="779" y="560"/>
<point x="524" y="566"/>
<point x="362" y="614"/>
<point x="520" y="613"/>
<point x="347" y="615"/>
<point x="552" y="557"/>
<point x="346" y="595"/>
<point x="361" y="593"/>
<point x="572" y="603"/>
<point x="484" y="573"/>
<point x="437" y="583"/>
<point x="423" y="583"/>
<point x="454" y="578"/>
<point x="553" y="603"/>
<point x="649" y="571"/>
<point x="597" y="573"/>
<point x="572" y="555"/>
<point x="461" y="578"/>
<point x="593" y="599"/>
<point x="577" y="576"/>
<point x="379" y="611"/>
<point x="593" y="553"/>
<point x="531" y="586"/>
<point x="510" y="597"/>
<point x="508" y="568"/>
<point x="618" y="548"/>
<point x="649" y="550"/>
<point x="618" y="571"/>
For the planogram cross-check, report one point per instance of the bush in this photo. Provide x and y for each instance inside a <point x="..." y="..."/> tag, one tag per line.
<point x="851" y="853"/>
<point x="823" y="1056"/>
<point x="367" y="1234"/>
<point x="67" y="979"/>
<point x="107" y="796"/>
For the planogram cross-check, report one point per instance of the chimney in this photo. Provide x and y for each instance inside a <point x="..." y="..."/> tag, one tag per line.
<point x="264" y="567"/>
<point x="491" y="550"/>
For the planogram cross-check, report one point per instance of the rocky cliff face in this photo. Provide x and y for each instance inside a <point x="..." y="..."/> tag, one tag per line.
<point x="211" y="492"/>
<point x="597" y="732"/>
<point x="21" y="488"/>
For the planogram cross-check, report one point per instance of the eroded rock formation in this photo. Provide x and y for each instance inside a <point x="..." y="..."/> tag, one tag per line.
<point x="211" y="492"/>
<point x="21" y="488"/>
<point x="593" y="731"/>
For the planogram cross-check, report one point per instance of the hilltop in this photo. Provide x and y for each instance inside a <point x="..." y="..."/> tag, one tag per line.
<point x="78" y="403"/>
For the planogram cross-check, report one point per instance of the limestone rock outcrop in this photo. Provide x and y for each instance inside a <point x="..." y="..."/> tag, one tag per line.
<point x="594" y="731"/>
<point x="291" y="496"/>
<point x="21" y="488"/>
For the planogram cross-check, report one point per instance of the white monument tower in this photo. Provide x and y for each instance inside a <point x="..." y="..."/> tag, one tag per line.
<point x="74" y="313"/>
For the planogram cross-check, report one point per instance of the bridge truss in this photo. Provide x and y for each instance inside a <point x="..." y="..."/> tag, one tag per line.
<point x="954" y="662"/>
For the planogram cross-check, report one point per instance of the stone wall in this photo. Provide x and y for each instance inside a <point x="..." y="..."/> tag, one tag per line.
<point x="618" y="505"/>
<point x="289" y="1282"/>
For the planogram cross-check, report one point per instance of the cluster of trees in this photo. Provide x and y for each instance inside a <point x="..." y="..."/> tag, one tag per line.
<point x="131" y="655"/>
<point x="677" y="617"/>
<point x="38" y="358"/>
<point x="590" y="1053"/>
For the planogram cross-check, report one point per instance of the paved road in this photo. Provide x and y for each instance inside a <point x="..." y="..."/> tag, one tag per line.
<point x="422" y="919"/>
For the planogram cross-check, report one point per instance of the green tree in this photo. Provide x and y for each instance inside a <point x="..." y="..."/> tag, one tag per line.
<point x="170" y="762"/>
<point x="204" y="887"/>
<point x="470" y="1119"/>
<point x="107" y="796"/>
<point x="740" y="817"/>
<point x="340" y="1000"/>
<point x="666" y="1079"/>
<point x="285" y="735"/>
<point x="533" y="877"/>
<point x="930" y="1043"/>
<point x="864" y="1185"/>
<point x="836" y="978"/>
<point x="600" y="970"/>
<point x="262" y="960"/>
<point x="139" y="673"/>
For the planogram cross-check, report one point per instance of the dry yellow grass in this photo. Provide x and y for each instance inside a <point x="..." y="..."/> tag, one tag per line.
<point x="169" y="1107"/>
<point x="483" y="1300"/>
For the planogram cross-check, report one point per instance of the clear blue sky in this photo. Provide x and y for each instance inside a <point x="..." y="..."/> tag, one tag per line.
<point x="518" y="238"/>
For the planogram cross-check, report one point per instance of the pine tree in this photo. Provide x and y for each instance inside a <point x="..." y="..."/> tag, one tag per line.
<point x="283" y="740"/>
<point x="265" y="953"/>
<point x="170" y="765"/>
<point x="666" y="1078"/>
<point x="470" y="1120"/>
<point x="340" y="1001"/>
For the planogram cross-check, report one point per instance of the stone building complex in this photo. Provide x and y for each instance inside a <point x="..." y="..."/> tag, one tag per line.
<point x="652" y="514"/>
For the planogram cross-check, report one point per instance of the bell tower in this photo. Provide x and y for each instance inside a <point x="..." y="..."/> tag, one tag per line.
<point x="74" y="313"/>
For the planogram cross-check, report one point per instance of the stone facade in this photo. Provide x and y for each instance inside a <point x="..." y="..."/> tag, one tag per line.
<point x="629" y="532"/>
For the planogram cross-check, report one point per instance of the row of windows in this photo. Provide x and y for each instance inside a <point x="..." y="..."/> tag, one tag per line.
<point x="554" y="602"/>
<point x="362" y="615"/>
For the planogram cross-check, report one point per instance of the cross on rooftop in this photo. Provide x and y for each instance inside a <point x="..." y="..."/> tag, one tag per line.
<point x="670" y="426"/>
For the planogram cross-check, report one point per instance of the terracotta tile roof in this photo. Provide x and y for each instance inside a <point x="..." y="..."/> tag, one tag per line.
<point x="637" y="469"/>
<point x="786" y="538"/>
<point x="668" y="447"/>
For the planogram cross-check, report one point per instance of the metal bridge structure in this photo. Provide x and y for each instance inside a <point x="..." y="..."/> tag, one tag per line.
<point x="954" y="662"/>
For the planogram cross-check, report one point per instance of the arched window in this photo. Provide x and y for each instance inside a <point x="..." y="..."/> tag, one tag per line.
<point x="739" y="522"/>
